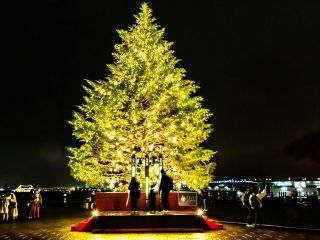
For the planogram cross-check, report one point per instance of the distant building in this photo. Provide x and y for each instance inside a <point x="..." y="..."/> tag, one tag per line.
<point x="300" y="189"/>
<point x="231" y="189"/>
<point x="24" y="188"/>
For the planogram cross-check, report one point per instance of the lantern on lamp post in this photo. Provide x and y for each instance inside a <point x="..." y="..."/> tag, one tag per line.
<point x="133" y="165"/>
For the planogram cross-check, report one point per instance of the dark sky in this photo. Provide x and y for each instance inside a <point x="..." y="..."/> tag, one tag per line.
<point x="257" y="63"/>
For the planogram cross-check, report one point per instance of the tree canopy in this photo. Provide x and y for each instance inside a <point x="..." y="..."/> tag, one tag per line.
<point x="144" y="107"/>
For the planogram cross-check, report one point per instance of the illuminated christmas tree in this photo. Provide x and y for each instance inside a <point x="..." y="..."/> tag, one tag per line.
<point x="145" y="107"/>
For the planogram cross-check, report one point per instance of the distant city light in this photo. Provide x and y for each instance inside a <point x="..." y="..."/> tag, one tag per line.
<point x="300" y="189"/>
<point x="231" y="188"/>
<point x="232" y="181"/>
<point x="24" y="188"/>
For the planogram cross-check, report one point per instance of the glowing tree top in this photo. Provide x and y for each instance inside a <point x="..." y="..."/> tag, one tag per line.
<point x="145" y="106"/>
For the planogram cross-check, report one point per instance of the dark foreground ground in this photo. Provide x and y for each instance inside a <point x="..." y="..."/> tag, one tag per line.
<point x="272" y="213"/>
<point x="55" y="224"/>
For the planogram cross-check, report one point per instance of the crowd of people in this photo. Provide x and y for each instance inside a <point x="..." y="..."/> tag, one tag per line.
<point x="9" y="205"/>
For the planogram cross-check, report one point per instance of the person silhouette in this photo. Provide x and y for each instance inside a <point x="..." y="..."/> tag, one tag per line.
<point x="134" y="193"/>
<point x="166" y="184"/>
<point x="152" y="197"/>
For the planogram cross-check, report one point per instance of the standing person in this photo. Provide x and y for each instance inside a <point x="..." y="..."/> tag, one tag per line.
<point x="37" y="202"/>
<point x="92" y="203"/>
<point x="255" y="201"/>
<point x="261" y="196"/>
<point x="30" y="203"/>
<point x="4" y="206"/>
<point x="86" y="202"/>
<point x="13" y="207"/>
<point x="134" y="193"/>
<point x="246" y="203"/>
<point x="166" y="185"/>
<point x="152" y="197"/>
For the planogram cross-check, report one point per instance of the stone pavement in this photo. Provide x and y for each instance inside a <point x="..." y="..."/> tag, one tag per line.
<point x="58" y="228"/>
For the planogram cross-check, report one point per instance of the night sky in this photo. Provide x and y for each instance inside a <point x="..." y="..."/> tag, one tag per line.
<point x="257" y="63"/>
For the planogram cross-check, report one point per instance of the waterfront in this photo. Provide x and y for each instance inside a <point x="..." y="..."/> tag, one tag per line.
<point x="62" y="209"/>
<point x="277" y="210"/>
<point x="223" y="200"/>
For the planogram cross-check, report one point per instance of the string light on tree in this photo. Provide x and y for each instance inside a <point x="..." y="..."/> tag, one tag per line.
<point x="145" y="107"/>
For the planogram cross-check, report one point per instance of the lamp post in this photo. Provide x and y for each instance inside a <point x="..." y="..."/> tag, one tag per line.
<point x="147" y="170"/>
<point x="133" y="165"/>
<point x="160" y="168"/>
<point x="147" y="207"/>
<point x="160" y="164"/>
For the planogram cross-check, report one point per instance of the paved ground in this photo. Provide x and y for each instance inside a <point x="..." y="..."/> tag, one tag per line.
<point x="57" y="227"/>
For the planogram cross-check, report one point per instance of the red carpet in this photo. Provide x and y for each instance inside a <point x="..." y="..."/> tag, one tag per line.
<point x="212" y="224"/>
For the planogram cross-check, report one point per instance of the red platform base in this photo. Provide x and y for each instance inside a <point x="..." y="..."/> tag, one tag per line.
<point x="116" y="201"/>
<point x="111" y="222"/>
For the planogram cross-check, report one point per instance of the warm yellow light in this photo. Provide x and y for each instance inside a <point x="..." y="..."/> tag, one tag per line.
<point x="95" y="213"/>
<point x="200" y="212"/>
<point x="151" y="110"/>
<point x="151" y="147"/>
<point x="142" y="55"/>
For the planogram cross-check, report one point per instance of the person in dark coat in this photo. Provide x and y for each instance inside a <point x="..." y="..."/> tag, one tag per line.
<point x="255" y="201"/>
<point x="30" y="203"/>
<point x="134" y="188"/>
<point x="152" y="198"/>
<point x="166" y="185"/>
<point x="246" y="203"/>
